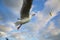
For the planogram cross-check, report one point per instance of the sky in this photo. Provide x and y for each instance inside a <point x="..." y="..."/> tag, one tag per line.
<point x="42" y="26"/>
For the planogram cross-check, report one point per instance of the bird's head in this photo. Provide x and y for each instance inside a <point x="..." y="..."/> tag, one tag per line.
<point x="33" y="14"/>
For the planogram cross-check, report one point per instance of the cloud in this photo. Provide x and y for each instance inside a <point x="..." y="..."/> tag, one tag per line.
<point x="13" y="3"/>
<point x="17" y="36"/>
<point x="53" y="4"/>
<point x="50" y="32"/>
<point x="41" y="20"/>
<point x="3" y="34"/>
<point x="5" y="29"/>
<point x="43" y="16"/>
<point x="54" y="28"/>
<point x="56" y="37"/>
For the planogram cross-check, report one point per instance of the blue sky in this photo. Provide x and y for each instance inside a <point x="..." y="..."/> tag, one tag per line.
<point x="38" y="4"/>
<point x="42" y="26"/>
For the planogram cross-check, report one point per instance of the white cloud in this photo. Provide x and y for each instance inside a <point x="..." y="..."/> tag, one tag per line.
<point x="56" y="37"/>
<point x="53" y="29"/>
<point x="14" y="6"/>
<point x="13" y="3"/>
<point x="55" y="4"/>
<point x="3" y="34"/>
<point x="17" y="36"/>
<point x="52" y="32"/>
<point x="5" y="29"/>
<point x="44" y="16"/>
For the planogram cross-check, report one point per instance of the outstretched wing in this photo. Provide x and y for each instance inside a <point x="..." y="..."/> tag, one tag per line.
<point x="26" y="8"/>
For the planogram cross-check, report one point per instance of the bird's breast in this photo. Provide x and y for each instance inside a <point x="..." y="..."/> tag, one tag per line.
<point x="26" y="20"/>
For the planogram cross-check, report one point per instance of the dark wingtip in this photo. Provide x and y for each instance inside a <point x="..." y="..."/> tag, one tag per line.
<point x="19" y="27"/>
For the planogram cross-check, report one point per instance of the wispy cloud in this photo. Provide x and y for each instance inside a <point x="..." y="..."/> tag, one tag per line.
<point x="41" y="19"/>
<point x="3" y="28"/>
<point x="17" y="36"/>
<point x="13" y="3"/>
<point x="3" y="34"/>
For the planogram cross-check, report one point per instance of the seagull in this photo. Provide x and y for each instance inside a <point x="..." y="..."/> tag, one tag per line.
<point x="25" y="16"/>
<point x="3" y="34"/>
<point x="51" y="12"/>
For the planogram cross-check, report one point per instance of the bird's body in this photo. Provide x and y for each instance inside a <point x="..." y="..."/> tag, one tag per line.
<point x="5" y="28"/>
<point x="23" y="21"/>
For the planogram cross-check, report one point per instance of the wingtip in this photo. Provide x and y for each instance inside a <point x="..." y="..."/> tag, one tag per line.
<point x="19" y="27"/>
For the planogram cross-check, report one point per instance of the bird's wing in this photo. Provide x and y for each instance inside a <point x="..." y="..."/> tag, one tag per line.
<point x="26" y="8"/>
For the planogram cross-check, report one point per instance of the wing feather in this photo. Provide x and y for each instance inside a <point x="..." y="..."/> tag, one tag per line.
<point x="25" y="8"/>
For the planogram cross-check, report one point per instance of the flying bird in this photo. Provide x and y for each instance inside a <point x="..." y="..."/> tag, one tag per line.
<point x="51" y="12"/>
<point x="25" y="10"/>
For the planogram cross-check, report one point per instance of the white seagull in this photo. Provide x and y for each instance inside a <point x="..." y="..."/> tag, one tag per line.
<point x="51" y="12"/>
<point x="25" y="17"/>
